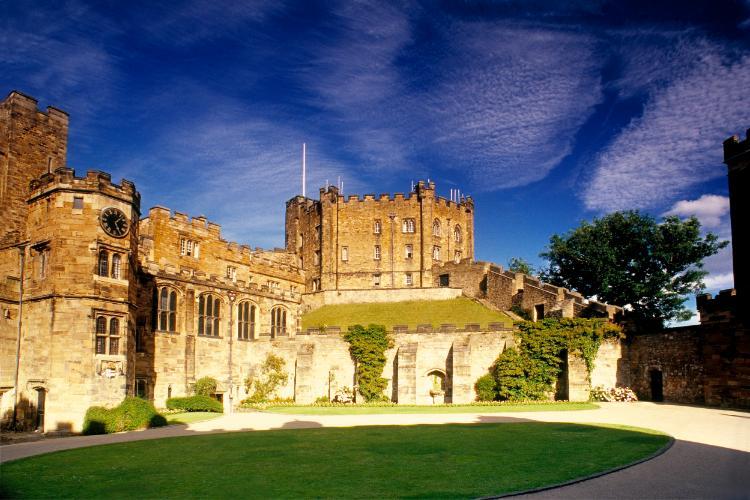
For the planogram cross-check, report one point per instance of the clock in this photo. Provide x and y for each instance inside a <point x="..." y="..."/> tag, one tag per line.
<point x="114" y="222"/>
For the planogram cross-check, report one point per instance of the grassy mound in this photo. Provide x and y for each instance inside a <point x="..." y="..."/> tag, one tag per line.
<point x="458" y="311"/>
<point x="430" y="461"/>
<point x="131" y="414"/>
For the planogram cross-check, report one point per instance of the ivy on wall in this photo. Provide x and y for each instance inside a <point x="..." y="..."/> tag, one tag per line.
<point x="531" y="370"/>
<point x="367" y="347"/>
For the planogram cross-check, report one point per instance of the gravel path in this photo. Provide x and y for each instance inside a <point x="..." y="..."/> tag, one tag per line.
<point x="710" y="458"/>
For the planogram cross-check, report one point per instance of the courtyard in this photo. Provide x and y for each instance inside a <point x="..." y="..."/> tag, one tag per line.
<point x="424" y="455"/>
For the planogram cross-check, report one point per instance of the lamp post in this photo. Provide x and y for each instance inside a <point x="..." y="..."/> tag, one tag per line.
<point x="232" y="296"/>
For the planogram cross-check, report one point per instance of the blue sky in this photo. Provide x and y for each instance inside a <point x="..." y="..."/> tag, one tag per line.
<point x="547" y="113"/>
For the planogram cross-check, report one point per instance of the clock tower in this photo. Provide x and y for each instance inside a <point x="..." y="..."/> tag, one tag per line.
<point x="79" y="293"/>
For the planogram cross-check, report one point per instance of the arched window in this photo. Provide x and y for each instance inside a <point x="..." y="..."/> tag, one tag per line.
<point x="114" y="336"/>
<point x="246" y="321"/>
<point x="101" y="335"/>
<point x="209" y="315"/>
<point x="407" y="226"/>
<point x="457" y="233"/>
<point x="278" y="321"/>
<point x="436" y="227"/>
<point x="116" y="266"/>
<point x="167" y="310"/>
<point x="103" y="263"/>
<point x="436" y="253"/>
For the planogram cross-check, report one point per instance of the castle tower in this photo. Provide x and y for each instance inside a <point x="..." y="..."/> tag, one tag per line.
<point x="378" y="242"/>
<point x="32" y="142"/>
<point x="77" y="298"/>
<point x="737" y="159"/>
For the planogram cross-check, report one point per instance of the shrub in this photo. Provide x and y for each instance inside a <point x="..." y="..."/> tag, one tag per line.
<point x="322" y="399"/>
<point x="205" y="386"/>
<point x="486" y="388"/>
<point x="367" y="347"/>
<point x="195" y="403"/>
<point x="131" y="414"/>
<point x="624" y="394"/>
<point x="272" y="377"/>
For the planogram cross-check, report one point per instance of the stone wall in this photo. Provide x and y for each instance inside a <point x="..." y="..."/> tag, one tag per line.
<point x="312" y="301"/>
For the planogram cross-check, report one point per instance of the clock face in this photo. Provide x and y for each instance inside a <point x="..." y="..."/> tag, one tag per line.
<point x="114" y="222"/>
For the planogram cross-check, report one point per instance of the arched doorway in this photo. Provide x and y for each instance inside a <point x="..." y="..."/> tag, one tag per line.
<point x="657" y="384"/>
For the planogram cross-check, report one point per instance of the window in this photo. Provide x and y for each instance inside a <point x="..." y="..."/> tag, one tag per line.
<point x="344" y="254"/>
<point x="278" y="321"/>
<point x="116" y="266"/>
<point x="139" y="341"/>
<point x="316" y="284"/>
<point x="246" y="321"/>
<point x="107" y="341"/>
<point x="436" y="227"/>
<point x="409" y="279"/>
<point x="103" y="263"/>
<point x="232" y="273"/>
<point x="141" y="388"/>
<point x="376" y="227"/>
<point x="457" y="256"/>
<point x="101" y="335"/>
<point x="78" y="202"/>
<point x="103" y="267"/>
<point x="188" y="248"/>
<point x="436" y="253"/>
<point x="409" y="251"/>
<point x="316" y="258"/>
<point x="167" y="310"/>
<point x="209" y="314"/>
<point x="42" y="260"/>
<point x="376" y="279"/>
<point x="457" y="234"/>
<point x="376" y="253"/>
<point x="407" y="226"/>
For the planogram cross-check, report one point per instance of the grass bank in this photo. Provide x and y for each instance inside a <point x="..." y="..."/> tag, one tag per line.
<point x="405" y="409"/>
<point x="458" y="311"/>
<point x="445" y="461"/>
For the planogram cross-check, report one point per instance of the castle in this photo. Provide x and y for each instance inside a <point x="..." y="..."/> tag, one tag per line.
<point x="99" y="301"/>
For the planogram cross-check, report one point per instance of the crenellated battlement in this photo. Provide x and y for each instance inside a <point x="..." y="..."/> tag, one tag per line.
<point x="94" y="181"/>
<point x="734" y="147"/>
<point x="21" y="102"/>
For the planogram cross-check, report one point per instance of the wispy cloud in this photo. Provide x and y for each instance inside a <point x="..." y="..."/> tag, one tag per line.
<point x="510" y="105"/>
<point x="719" y="281"/>
<point x="676" y="143"/>
<point x="708" y="209"/>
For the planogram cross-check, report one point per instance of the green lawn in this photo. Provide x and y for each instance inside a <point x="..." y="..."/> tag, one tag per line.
<point x="191" y="416"/>
<point x="366" y="410"/>
<point x="426" y="461"/>
<point x="458" y="311"/>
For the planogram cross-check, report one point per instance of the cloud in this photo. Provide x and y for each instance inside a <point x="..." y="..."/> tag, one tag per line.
<point x="512" y="100"/>
<point x="676" y="143"/>
<point x="719" y="281"/>
<point x="708" y="209"/>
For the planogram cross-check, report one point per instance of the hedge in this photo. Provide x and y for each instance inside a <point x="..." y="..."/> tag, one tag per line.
<point x="131" y="414"/>
<point x="195" y="403"/>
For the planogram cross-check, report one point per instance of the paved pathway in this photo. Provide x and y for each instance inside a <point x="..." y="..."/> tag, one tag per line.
<point x="710" y="459"/>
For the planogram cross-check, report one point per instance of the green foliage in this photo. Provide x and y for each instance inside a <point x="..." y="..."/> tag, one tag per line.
<point x="486" y="388"/>
<point x="195" y="403"/>
<point x="520" y="311"/>
<point x="630" y="258"/>
<point x="131" y="414"/>
<point x="205" y="386"/>
<point x="322" y="399"/>
<point x="530" y="371"/>
<point x="367" y="347"/>
<point x="272" y="376"/>
<point x="520" y="265"/>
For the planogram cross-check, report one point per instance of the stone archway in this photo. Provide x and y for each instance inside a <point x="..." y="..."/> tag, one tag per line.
<point x="436" y="385"/>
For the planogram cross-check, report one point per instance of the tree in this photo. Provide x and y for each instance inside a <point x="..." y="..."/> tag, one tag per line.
<point x="520" y="265"/>
<point x="629" y="259"/>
